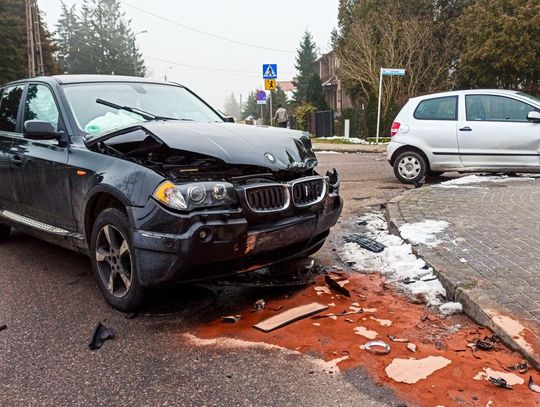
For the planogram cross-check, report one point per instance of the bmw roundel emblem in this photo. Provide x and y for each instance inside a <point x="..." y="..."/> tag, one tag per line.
<point x="270" y="157"/>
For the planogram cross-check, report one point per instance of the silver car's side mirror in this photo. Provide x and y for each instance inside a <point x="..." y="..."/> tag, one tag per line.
<point x="534" y="116"/>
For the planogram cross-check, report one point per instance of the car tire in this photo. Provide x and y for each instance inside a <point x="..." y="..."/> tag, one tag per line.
<point x="410" y="167"/>
<point x="113" y="260"/>
<point x="4" y="232"/>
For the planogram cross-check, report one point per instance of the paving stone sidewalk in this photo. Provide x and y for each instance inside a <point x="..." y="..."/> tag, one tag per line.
<point x="349" y="148"/>
<point x="490" y="255"/>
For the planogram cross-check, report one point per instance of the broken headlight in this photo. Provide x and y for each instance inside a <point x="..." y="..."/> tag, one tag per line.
<point x="196" y="195"/>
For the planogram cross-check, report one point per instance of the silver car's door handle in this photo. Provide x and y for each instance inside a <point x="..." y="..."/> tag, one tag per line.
<point x="466" y="128"/>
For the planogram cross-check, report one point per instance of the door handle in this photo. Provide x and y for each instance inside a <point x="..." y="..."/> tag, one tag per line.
<point x="16" y="159"/>
<point x="466" y="128"/>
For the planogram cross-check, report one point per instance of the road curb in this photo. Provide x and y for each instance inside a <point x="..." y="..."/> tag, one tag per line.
<point x="476" y="305"/>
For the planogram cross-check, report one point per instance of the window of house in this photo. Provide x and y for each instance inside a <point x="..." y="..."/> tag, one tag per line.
<point x="9" y="106"/>
<point x="444" y="108"/>
<point x="496" y="108"/>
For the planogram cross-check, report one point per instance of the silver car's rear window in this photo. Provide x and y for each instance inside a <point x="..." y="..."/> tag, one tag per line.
<point x="441" y="108"/>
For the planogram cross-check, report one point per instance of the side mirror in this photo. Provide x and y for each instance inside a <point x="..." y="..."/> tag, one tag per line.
<point x="40" y="130"/>
<point x="534" y="116"/>
<point x="228" y="119"/>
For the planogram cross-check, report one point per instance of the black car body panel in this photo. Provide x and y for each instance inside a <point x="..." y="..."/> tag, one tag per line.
<point x="54" y="189"/>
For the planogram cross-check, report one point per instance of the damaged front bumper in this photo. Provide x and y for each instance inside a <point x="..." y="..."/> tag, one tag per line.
<point x="171" y="246"/>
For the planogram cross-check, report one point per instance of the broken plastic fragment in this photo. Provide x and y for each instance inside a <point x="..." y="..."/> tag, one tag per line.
<point x="333" y="285"/>
<point x="394" y="339"/>
<point x="232" y="319"/>
<point x="411" y="347"/>
<point x="259" y="305"/>
<point x="533" y="386"/>
<point x="365" y="243"/>
<point x="360" y="330"/>
<point x="412" y="370"/>
<point x="500" y="382"/>
<point x="377" y="347"/>
<point x="101" y="334"/>
<point x="484" y="345"/>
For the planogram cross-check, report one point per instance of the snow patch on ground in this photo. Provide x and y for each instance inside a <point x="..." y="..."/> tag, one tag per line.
<point x="396" y="262"/>
<point x="423" y="232"/>
<point x="350" y="140"/>
<point x="231" y="343"/>
<point x="327" y="152"/>
<point x="450" y="308"/>
<point x="465" y="182"/>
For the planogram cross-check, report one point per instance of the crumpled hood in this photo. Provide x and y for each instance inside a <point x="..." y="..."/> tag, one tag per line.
<point x="233" y="143"/>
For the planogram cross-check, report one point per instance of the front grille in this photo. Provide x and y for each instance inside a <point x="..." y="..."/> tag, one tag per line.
<point x="268" y="198"/>
<point x="309" y="191"/>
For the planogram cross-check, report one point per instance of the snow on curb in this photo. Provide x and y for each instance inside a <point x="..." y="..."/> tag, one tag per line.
<point x="423" y="232"/>
<point x="397" y="261"/>
<point x="465" y="182"/>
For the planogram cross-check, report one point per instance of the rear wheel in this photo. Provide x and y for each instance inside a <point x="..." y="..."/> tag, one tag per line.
<point x="4" y="232"/>
<point x="113" y="260"/>
<point x="410" y="167"/>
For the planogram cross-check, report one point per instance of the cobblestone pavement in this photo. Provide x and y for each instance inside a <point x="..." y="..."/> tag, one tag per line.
<point x="490" y="257"/>
<point x="349" y="148"/>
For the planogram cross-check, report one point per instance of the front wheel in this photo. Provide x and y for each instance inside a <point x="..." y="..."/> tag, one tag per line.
<point x="113" y="260"/>
<point x="410" y="167"/>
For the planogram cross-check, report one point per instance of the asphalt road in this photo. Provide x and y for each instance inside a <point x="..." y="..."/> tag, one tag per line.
<point x="51" y="304"/>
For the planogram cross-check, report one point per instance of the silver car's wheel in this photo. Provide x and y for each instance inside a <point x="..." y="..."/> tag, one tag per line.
<point x="410" y="167"/>
<point x="113" y="258"/>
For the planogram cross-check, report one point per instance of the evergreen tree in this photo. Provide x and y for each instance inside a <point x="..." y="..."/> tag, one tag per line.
<point x="232" y="107"/>
<point x="314" y="92"/>
<point x="305" y="65"/>
<point x="251" y="108"/>
<point x="13" y="43"/>
<point x="99" y="40"/>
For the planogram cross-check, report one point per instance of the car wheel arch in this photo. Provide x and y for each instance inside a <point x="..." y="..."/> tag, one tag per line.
<point x="405" y="148"/>
<point x="101" y="198"/>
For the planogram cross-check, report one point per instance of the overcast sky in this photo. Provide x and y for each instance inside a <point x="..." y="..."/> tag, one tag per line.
<point x="221" y="67"/>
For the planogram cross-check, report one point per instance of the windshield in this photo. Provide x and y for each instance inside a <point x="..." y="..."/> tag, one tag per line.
<point x="170" y="101"/>
<point x="525" y="95"/>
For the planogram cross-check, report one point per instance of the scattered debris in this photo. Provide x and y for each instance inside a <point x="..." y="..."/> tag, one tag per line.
<point x="382" y="322"/>
<point x="321" y="289"/>
<point x="510" y="378"/>
<point x="533" y="386"/>
<point x="289" y="316"/>
<point x="100" y="335"/>
<point x="350" y="321"/>
<point x="412" y="370"/>
<point x="438" y="345"/>
<point x="377" y="347"/>
<point x="365" y="243"/>
<point x="484" y="345"/>
<point x="412" y="347"/>
<point x="316" y="324"/>
<point x="341" y="314"/>
<point x="394" y="339"/>
<point x="2" y="327"/>
<point x="310" y="265"/>
<point x="522" y="367"/>
<point x="333" y="285"/>
<point x="408" y="280"/>
<point x="360" y="330"/>
<point x="231" y="319"/>
<point x="259" y="305"/>
<point x="500" y="382"/>
<point x="420" y="182"/>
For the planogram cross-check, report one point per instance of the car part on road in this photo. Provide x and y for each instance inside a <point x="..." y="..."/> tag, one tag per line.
<point x="500" y="382"/>
<point x="484" y="345"/>
<point x="231" y="319"/>
<point x="259" y="305"/>
<point x="533" y="386"/>
<point x="522" y="367"/>
<point x="289" y="316"/>
<point x="420" y="182"/>
<point x="377" y="347"/>
<point x="100" y="335"/>
<point x="394" y="339"/>
<point x="412" y="347"/>
<point x="365" y="242"/>
<point x="410" y="167"/>
<point x="334" y="285"/>
<point x="2" y="327"/>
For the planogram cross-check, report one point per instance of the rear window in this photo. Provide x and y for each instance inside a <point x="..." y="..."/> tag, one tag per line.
<point x="444" y="108"/>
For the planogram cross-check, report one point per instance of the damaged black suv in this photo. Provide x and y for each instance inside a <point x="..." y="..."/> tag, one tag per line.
<point x="153" y="184"/>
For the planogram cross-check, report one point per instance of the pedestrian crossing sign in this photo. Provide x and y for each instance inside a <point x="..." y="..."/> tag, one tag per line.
<point x="270" y="84"/>
<point x="269" y="71"/>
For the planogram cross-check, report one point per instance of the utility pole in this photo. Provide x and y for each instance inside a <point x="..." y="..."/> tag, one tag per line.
<point x="37" y="39"/>
<point x="30" y="39"/>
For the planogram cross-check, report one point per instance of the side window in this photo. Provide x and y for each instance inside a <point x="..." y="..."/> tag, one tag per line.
<point x="444" y="108"/>
<point x="496" y="108"/>
<point x="40" y="105"/>
<point x="9" y="106"/>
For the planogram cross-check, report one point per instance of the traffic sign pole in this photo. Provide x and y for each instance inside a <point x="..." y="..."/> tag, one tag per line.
<point x="379" y="108"/>
<point x="271" y="114"/>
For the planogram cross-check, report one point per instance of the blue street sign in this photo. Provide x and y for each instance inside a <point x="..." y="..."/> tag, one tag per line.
<point x="269" y="71"/>
<point x="261" y="97"/>
<point x="393" y="72"/>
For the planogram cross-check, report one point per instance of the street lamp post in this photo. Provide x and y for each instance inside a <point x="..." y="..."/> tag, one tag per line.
<point x="135" y="70"/>
<point x="165" y="73"/>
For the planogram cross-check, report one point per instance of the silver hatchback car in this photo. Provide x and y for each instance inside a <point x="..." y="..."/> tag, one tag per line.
<point x="466" y="131"/>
